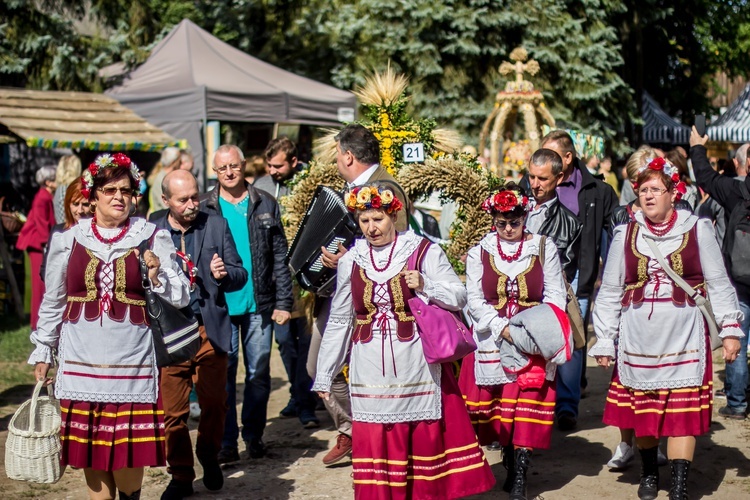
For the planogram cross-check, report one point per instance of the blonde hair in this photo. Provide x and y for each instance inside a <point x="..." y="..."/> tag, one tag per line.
<point x="170" y="158"/>
<point x="637" y="160"/>
<point x="68" y="170"/>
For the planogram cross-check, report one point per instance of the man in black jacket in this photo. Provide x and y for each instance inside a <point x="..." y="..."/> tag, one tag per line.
<point x="255" y="223"/>
<point x="548" y="216"/>
<point x="727" y="192"/>
<point x="592" y="201"/>
<point x="218" y="270"/>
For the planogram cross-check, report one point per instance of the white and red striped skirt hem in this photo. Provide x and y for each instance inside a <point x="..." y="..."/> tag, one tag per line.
<point x="421" y="460"/>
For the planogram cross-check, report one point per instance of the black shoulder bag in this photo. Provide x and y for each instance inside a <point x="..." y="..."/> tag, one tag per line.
<point x="175" y="331"/>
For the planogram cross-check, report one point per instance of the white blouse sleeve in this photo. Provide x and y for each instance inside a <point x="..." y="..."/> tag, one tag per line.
<point x="334" y="347"/>
<point x="486" y="320"/>
<point x="53" y="305"/>
<point x="442" y="286"/>
<point x="608" y="308"/>
<point x="554" y="283"/>
<point x="175" y="286"/>
<point x="720" y="290"/>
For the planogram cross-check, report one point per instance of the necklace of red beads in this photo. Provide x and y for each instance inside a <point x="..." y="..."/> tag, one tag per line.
<point x="108" y="241"/>
<point x="662" y="228"/>
<point x="390" y="256"/>
<point x="509" y="258"/>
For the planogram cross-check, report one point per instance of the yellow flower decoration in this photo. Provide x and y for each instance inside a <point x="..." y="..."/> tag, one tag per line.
<point x="386" y="196"/>
<point x="351" y="201"/>
<point x="363" y="196"/>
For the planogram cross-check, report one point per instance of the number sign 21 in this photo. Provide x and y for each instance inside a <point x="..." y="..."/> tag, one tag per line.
<point x="413" y="152"/>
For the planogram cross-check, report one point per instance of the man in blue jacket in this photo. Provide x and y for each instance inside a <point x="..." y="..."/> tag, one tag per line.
<point x="255" y="223"/>
<point x="206" y="241"/>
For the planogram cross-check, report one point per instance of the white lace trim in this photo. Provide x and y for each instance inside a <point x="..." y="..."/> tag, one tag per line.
<point x="139" y="230"/>
<point x="407" y="242"/>
<point x="603" y="347"/>
<point x="322" y="383"/>
<point x="395" y="418"/>
<point x="530" y="247"/>
<point x="339" y="320"/>
<point x="105" y="398"/>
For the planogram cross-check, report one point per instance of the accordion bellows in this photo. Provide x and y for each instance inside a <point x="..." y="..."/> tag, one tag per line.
<point x="326" y="224"/>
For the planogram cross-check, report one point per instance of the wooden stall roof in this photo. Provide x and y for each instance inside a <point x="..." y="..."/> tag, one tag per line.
<point x="78" y="120"/>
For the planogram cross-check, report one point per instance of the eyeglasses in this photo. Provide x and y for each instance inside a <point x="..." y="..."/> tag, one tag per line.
<point x="231" y="166"/>
<point x="514" y="224"/>
<point x="110" y="191"/>
<point x="654" y="191"/>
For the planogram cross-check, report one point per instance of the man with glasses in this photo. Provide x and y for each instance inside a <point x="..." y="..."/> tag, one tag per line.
<point x="255" y="223"/>
<point x="294" y="337"/>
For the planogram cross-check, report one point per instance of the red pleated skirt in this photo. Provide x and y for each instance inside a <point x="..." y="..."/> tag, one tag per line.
<point x="421" y="460"/>
<point x="112" y="436"/>
<point x="662" y="412"/>
<point x="506" y="413"/>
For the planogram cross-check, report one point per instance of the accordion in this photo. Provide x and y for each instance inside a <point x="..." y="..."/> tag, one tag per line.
<point x="326" y="224"/>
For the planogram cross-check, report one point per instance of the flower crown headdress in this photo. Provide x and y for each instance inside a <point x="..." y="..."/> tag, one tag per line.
<point x="505" y="201"/>
<point x="106" y="161"/>
<point x="369" y="197"/>
<point x="663" y="165"/>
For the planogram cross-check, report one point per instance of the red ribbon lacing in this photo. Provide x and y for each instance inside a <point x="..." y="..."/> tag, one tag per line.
<point x="384" y="325"/>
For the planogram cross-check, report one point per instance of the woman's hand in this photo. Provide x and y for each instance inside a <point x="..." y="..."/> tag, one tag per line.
<point x="414" y="280"/>
<point x="40" y="373"/>
<point x="325" y="396"/>
<point x="603" y="361"/>
<point x="153" y="264"/>
<point x="505" y="334"/>
<point x="731" y="348"/>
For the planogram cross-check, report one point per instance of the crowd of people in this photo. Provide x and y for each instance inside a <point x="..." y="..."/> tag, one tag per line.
<point x="412" y="428"/>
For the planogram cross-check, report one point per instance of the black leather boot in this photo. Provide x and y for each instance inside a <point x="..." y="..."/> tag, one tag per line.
<point x="523" y="460"/>
<point x="649" y="487"/>
<point x="136" y="495"/>
<point x="509" y="462"/>
<point x="678" y="489"/>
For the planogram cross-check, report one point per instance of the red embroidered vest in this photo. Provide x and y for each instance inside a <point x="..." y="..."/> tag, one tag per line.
<point x="685" y="261"/>
<point x="84" y="288"/>
<point x="494" y="283"/>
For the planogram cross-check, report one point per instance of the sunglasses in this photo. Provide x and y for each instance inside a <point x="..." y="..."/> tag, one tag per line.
<point x="111" y="191"/>
<point x="514" y="224"/>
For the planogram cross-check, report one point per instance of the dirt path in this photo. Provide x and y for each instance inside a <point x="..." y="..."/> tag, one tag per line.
<point x="572" y="469"/>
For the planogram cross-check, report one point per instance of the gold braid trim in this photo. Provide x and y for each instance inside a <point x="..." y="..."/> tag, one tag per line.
<point x="398" y="299"/>
<point x="502" y="297"/>
<point x="120" y="283"/>
<point x="642" y="263"/>
<point x="523" y="288"/>
<point x="676" y="258"/>
<point x="371" y="309"/>
<point x="89" y="279"/>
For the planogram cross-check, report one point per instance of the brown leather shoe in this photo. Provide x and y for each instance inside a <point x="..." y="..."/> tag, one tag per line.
<point x="342" y="449"/>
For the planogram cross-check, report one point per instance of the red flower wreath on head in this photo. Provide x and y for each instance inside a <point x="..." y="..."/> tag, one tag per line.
<point x="504" y="201"/>
<point x="396" y="205"/>
<point x="121" y="160"/>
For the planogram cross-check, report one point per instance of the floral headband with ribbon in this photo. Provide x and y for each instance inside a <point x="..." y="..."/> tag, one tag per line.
<point x="106" y="161"/>
<point x="369" y="197"/>
<point x="505" y="201"/>
<point x="665" y="166"/>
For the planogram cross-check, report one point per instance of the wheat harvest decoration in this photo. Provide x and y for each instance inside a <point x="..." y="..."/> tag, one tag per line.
<point x="458" y="177"/>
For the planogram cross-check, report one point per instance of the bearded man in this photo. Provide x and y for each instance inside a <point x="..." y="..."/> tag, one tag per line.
<point x="215" y="269"/>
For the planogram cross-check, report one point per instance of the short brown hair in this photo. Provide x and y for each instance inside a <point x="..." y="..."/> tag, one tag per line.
<point x="649" y="174"/>
<point x="111" y="174"/>
<point x="563" y="139"/>
<point x="281" y="145"/>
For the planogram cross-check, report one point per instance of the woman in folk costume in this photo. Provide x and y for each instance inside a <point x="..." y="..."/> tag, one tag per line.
<point x="509" y="271"/>
<point x="411" y="435"/>
<point x="655" y="331"/>
<point x="93" y="323"/>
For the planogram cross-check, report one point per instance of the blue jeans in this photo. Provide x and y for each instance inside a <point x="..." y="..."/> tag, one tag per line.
<point x="255" y="332"/>
<point x="735" y="382"/>
<point x="294" y="343"/>
<point x="569" y="374"/>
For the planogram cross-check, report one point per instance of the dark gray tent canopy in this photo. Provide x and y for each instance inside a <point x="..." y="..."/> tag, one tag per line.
<point x="659" y="127"/>
<point x="734" y="124"/>
<point x="192" y="77"/>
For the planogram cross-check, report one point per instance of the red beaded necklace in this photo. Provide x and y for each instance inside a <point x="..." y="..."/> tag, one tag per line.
<point x="664" y="227"/>
<point x="108" y="241"/>
<point x="509" y="258"/>
<point x="390" y="256"/>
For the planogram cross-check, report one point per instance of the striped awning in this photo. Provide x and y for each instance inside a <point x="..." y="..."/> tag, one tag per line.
<point x="78" y="120"/>
<point x="734" y="124"/>
<point x="659" y="127"/>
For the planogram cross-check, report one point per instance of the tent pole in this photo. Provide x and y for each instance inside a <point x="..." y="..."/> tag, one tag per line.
<point x="275" y="131"/>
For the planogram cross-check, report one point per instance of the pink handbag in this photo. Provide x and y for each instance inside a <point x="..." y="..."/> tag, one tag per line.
<point x="444" y="335"/>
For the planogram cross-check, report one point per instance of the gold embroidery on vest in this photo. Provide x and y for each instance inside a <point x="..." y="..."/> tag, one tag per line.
<point x="120" y="283"/>
<point x="642" y="263"/>
<point x="90" y="279"/>
<point x="398" y="299"/>
<point x="367" y="298"/>
<point x="676" y="258"/>
<point x="523" y="288"/>
<point x="502" y="279"/>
